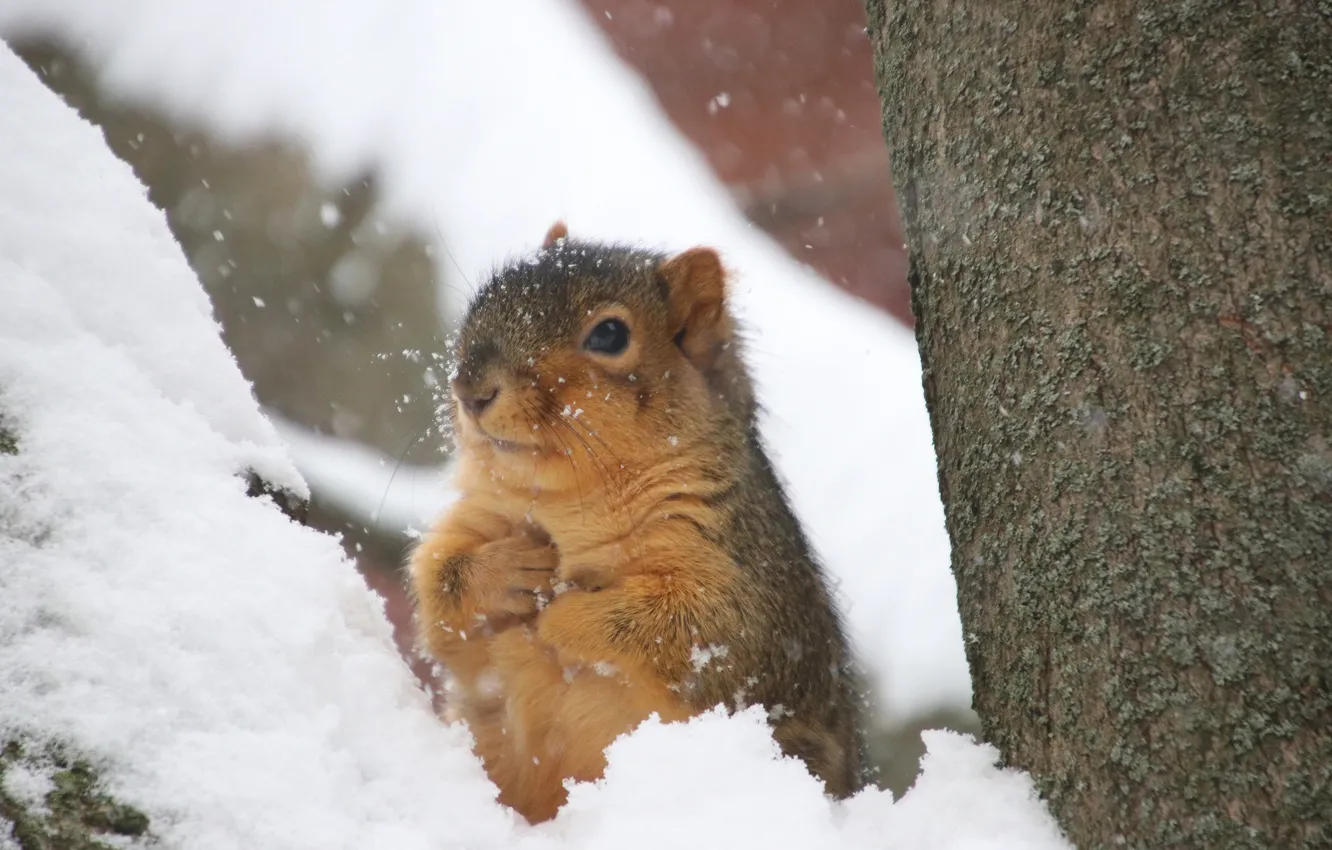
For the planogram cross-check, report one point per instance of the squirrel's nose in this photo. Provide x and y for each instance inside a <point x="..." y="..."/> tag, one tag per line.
<point x="474" y="400"/>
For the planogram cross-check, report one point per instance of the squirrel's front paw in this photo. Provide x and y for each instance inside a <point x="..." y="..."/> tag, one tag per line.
<point x="512" y="578"/>
<point x="581" y="625"/>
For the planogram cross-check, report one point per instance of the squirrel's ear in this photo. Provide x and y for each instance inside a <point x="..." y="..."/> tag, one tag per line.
<point x="697" y="287"/>
<point x="557" y="231"/>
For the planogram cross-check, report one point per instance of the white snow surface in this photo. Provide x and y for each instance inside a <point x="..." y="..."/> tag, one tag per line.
<point x="493" y="119"/>
<point x="225" y="667"/>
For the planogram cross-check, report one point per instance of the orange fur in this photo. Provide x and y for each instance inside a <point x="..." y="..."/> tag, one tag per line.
<point x="566" y="682"/>
<point x="557" y="232"/>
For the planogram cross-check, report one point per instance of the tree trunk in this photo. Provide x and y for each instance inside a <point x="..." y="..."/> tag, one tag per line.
<point x="1120" y="220"/>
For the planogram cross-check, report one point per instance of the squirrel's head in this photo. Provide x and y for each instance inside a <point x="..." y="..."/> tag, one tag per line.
<point x="590" y="348"/>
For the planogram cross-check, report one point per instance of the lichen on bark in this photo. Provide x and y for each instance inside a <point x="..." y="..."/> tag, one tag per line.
<point x="76" y="813"/>
<point x="1119" y="215"/>
<point x="8" y="440"/>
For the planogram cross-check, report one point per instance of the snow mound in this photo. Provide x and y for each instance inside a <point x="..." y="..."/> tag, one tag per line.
<point x="225" y="668"/>
<point x="166" y="332"/>
<point x="228" y="667"/>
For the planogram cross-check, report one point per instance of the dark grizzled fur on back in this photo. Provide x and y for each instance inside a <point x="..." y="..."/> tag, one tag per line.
<point x="807" y="663"/>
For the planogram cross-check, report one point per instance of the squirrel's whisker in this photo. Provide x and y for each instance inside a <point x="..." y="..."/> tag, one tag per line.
<point x="549" y="423"/>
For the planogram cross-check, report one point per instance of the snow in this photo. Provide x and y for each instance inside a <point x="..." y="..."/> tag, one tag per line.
<point x="217" y="657"/>
<point x="961" y="801"/>
<point x="27" y="786"/>
<point x="184" y="358"/>
<point x="225" y="668"/>
<point x="495" y="144"/>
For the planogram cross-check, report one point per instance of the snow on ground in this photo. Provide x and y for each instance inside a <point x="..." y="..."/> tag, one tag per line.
<point x="225" y="667"/>
<point x="494" y="119"/>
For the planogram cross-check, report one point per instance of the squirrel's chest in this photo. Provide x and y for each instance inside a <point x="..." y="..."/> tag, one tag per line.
<point x="595" y="536"/>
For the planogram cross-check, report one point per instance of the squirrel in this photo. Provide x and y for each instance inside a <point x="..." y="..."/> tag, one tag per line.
<point x="621" y="545"/>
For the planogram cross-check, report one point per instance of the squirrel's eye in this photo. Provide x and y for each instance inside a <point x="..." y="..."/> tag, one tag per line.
<point x="608" y="337"/>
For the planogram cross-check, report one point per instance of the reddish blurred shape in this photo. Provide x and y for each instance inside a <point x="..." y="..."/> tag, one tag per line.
<point x="387" y="581"/>
<point x="779" y="95"/>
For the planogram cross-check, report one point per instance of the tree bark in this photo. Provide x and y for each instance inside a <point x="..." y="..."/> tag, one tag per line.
<point x="1119" y="215"/>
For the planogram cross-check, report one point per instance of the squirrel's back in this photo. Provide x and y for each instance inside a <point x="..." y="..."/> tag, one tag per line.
<point x="800" y="665"/>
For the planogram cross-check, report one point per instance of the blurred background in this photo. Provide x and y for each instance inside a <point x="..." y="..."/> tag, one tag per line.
<point x="331" y="299"/>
